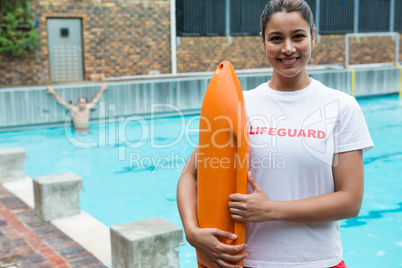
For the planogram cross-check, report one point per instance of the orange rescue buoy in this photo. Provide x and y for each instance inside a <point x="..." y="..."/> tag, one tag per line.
<point x="222" y="160"/>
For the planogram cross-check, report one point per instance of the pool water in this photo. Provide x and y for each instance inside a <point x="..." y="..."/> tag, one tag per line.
<point x="130" y="171"/>
<point x="374" y="238"/>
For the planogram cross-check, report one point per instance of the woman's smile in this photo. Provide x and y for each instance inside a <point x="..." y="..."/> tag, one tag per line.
<point x="287" y="45"/>
<point x="289" y="61"/>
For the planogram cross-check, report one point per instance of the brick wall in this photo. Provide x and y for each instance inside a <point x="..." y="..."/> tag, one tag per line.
<point x="23" y="71"/>
<point x="331" y="49"/>
<point x="119" y="38"/>
<point x="205" y="53"/>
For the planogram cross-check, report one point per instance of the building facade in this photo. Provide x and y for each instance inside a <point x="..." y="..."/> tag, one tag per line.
<point x="132" y="37"/>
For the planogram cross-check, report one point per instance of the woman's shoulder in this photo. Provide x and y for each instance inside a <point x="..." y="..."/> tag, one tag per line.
<point x="256" y="89"/>
<point x="331" y="93"/>
<point x="331" y="97"/>
<point x="255" y="92"/>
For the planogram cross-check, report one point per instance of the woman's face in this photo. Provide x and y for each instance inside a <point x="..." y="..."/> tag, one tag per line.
<point x="288" y="43"/>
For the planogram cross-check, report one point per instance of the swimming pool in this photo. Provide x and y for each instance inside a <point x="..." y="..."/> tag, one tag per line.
<point x="130" y="171"/>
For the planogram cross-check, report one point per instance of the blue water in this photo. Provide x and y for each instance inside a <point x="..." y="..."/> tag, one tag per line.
<point x="374" y="238"/>
<point x="130" y="171"/>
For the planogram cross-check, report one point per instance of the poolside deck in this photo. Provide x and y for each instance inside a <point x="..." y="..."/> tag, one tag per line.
<point x="27" y="241"/>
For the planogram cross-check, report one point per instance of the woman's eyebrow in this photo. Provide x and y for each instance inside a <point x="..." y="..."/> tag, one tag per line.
<point x="298" y="30"/>
<point x="274" y="32"/>
<point x="294" y="31"/>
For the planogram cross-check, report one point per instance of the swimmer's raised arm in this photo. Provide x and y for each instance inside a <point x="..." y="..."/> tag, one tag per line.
<point x="98" y="95"/>
<point x="204" y="240"/>
<point x="59" y="99"/>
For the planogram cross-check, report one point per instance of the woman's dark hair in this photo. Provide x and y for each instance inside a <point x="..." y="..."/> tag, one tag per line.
<point x="275" y="6"/>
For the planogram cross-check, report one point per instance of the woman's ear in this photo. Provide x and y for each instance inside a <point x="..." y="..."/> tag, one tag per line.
<point x="262" y="41"/>
<point x="313" y="37"/>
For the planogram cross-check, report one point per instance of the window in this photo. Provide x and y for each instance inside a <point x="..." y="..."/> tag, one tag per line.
<point x="398" y="16"/>
<point x="374" y="15"/>
<point x="198" y="18"/>
<point x="208" y="17"/>
<point x="245" y="16"/>
<point x="336" y="16"/>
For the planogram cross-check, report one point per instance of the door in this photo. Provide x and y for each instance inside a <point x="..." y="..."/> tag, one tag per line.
<point x="65" y="50"/>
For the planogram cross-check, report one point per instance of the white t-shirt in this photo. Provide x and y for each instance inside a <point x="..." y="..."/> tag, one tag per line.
<point x="293" y="138"/>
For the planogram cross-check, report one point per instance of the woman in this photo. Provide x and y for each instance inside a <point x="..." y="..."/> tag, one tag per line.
<point x="312" y="138"/>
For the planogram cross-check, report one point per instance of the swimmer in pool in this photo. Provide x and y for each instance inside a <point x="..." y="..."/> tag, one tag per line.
<point x="80" y="112"/>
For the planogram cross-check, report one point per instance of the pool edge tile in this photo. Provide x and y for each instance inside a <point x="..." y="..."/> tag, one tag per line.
<point x="90" y="233"/>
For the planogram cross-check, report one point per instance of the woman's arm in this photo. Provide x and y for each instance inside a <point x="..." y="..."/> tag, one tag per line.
<point x="187" y="195"/>
<point x="205" y="240"/>
<point x="345" y="202"/>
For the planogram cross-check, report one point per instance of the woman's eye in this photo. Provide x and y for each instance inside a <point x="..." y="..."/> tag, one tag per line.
<point x="275" y="38"/>
<point x="299" y="36"/>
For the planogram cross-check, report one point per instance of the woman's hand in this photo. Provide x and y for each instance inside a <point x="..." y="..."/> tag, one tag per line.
<point x="255" y="207"/>
<point x="206" y="241"/>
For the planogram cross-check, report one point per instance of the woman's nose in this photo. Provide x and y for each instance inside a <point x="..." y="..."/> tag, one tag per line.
<point x="288" y="47"/>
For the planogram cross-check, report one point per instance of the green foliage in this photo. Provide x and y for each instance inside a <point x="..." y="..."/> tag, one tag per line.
<point x="17" y="33"/>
